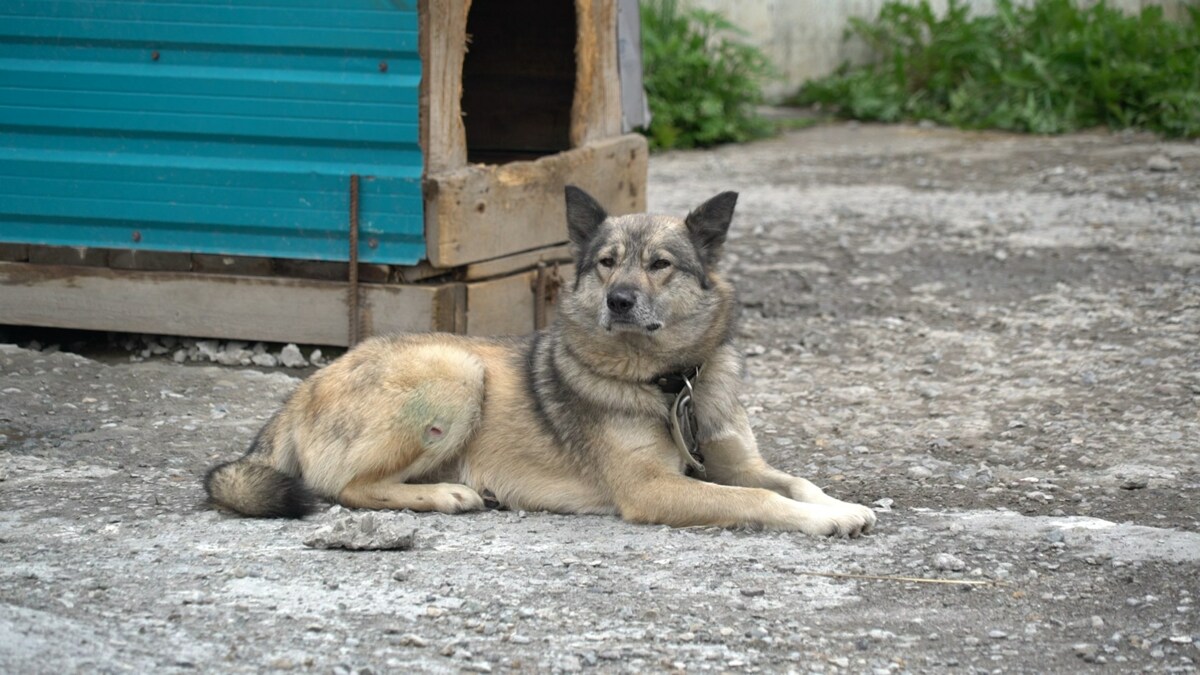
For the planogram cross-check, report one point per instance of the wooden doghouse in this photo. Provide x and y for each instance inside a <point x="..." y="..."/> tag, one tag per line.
<point x="291" y="172"/>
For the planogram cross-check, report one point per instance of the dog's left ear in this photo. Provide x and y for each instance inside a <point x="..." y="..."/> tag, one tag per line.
<point x="584" y="216"/>
<point x="709" y="223"/>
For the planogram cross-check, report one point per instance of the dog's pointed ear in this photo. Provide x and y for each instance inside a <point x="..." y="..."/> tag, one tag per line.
<point x="708" y="224"/>
<point x="584" y="216"/>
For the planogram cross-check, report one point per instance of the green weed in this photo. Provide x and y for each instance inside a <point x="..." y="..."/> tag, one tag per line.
<point x="1049" y="67"/>
<point x="702" y="83"/>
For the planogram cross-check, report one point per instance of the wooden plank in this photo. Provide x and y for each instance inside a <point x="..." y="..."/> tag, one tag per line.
<point x="134" y="259"/>
<point x="68" y="255"/>
<point x="635" y="111"/>
<point x="14" y="252"/>
<point x="206" y="305"/>
<point x="231" y="264"/>
<point x="596" y="112"/>
<point x="450" y="310"/>
<point x="506" y="305"/>
<point x="502" y="306"/>
<point x="443" y="46"/>
<point x="322" y="270"/>
<point x="478" y="213"/>
<point x="515" y="263"/>
<point x="410" y="274"/>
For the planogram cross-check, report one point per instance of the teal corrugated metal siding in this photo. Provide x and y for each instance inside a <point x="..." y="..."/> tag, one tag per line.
<point x="211" y="126"/>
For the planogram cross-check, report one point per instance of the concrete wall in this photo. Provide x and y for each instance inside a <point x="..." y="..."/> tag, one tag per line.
<point x="803" y="38"/>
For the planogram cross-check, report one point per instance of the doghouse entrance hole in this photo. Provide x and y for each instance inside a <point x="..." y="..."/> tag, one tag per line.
<point x="518" y="79"/>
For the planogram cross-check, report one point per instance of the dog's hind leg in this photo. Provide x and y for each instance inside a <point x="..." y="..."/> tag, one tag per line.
<point x="399" y="419"/>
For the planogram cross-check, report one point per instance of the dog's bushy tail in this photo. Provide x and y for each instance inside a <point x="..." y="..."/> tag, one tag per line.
<point x="257" y="490"/>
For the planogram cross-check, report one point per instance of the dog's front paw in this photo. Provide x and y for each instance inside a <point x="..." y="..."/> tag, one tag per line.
<point x="455" y="498"/>
<point x="835" y="520"/>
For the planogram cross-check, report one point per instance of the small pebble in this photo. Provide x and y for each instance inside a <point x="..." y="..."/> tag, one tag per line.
<point x="291" y="357"/>
<point x="1134" y="483"/>
<point x="919" y="472"/>
<point x="947" y="562"/>
<point x="1162" y="163"/>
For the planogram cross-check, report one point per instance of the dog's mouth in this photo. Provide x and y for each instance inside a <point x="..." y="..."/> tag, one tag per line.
<point x="629" y="326"/>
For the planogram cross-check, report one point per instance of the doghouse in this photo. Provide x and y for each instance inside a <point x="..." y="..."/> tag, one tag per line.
<point x="300" y="171"/>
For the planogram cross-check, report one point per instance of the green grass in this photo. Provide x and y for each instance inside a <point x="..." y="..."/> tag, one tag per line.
<point x="1050" y="67"/>
<point x="703" y="83"/>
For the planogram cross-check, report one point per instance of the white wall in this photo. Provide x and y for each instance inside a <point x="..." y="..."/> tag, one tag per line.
<point x="803" y="38"/>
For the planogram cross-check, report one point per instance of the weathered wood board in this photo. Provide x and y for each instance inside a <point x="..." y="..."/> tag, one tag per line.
<point x="482" y="212"/>
<point x="211" y="305"/>
<point x="507" y="305"/>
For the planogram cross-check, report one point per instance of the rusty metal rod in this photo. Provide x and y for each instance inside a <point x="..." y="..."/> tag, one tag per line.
<point x="355" y="324"/>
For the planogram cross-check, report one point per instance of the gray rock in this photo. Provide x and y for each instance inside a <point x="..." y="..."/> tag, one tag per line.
<point x="208" y="349"/>
<point x="1134" y="483"/>
<point x="291" y="357"/>
<point x="919" y="472"/>
<point x="947" y="562"/>
<point x="264" y="360"/>
<point x="231" y="356"/>
<point x="1162" y="163"/>
<point x="1086" y="651"/>
<point x="368" y="531"/>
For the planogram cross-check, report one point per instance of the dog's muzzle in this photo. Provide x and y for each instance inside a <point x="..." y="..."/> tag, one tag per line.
<point x="627" y="310"/>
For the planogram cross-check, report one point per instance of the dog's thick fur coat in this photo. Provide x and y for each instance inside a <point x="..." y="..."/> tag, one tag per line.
<point x="567" y="420"/>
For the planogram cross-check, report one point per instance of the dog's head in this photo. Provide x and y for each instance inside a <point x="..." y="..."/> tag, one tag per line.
<point x="647" y="275"/>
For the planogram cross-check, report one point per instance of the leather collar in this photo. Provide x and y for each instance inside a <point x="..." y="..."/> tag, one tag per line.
<point x="674" y="382"/>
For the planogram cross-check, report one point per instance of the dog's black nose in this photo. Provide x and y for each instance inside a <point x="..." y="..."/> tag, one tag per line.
<point x="621" y="300"/>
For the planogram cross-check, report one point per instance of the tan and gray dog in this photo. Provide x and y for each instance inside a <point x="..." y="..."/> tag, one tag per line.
<point x="574" y="419"/>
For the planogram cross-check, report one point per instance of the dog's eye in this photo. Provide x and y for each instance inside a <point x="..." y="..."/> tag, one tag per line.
<point x="607" y="262"/>
<point x="660" y="264"/>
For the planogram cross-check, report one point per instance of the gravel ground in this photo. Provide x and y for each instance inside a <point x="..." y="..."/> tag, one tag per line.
<point x="994" y="339"/>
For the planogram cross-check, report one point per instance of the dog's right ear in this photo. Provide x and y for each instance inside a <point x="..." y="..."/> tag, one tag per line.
<point x="584" y="216"/>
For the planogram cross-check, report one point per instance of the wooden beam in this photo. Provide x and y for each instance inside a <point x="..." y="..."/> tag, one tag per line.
<point x="478" y="213"/>
<point x="136" y="259"/>
<point x="518" y="262"/>
<point x="443" y="46"/>
<point x="505" y="305"/>
<point x="68" y="255"/>
<point x="14" y="252"/>
<point x="502" y="306"/>
<point x="211" y="305"/>
<point x="231" y="264"/>
<point x="596" y="112"/>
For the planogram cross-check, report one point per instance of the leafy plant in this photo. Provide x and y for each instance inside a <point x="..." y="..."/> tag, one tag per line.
<point x="701" y="82"/>
<point x="1049" y="67"/>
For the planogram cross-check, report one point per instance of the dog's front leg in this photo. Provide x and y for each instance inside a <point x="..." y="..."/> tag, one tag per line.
<point x="650" y="491"/>
<point x="731" y="457"/>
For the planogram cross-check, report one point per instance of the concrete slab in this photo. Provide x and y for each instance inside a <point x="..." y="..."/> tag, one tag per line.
<point x="996" y="339"/>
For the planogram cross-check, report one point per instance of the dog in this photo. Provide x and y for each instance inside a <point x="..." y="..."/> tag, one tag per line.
<point x="620" y="406"/>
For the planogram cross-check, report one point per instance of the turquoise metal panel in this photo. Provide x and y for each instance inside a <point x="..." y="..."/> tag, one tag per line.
<point x="211" y="126"/>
